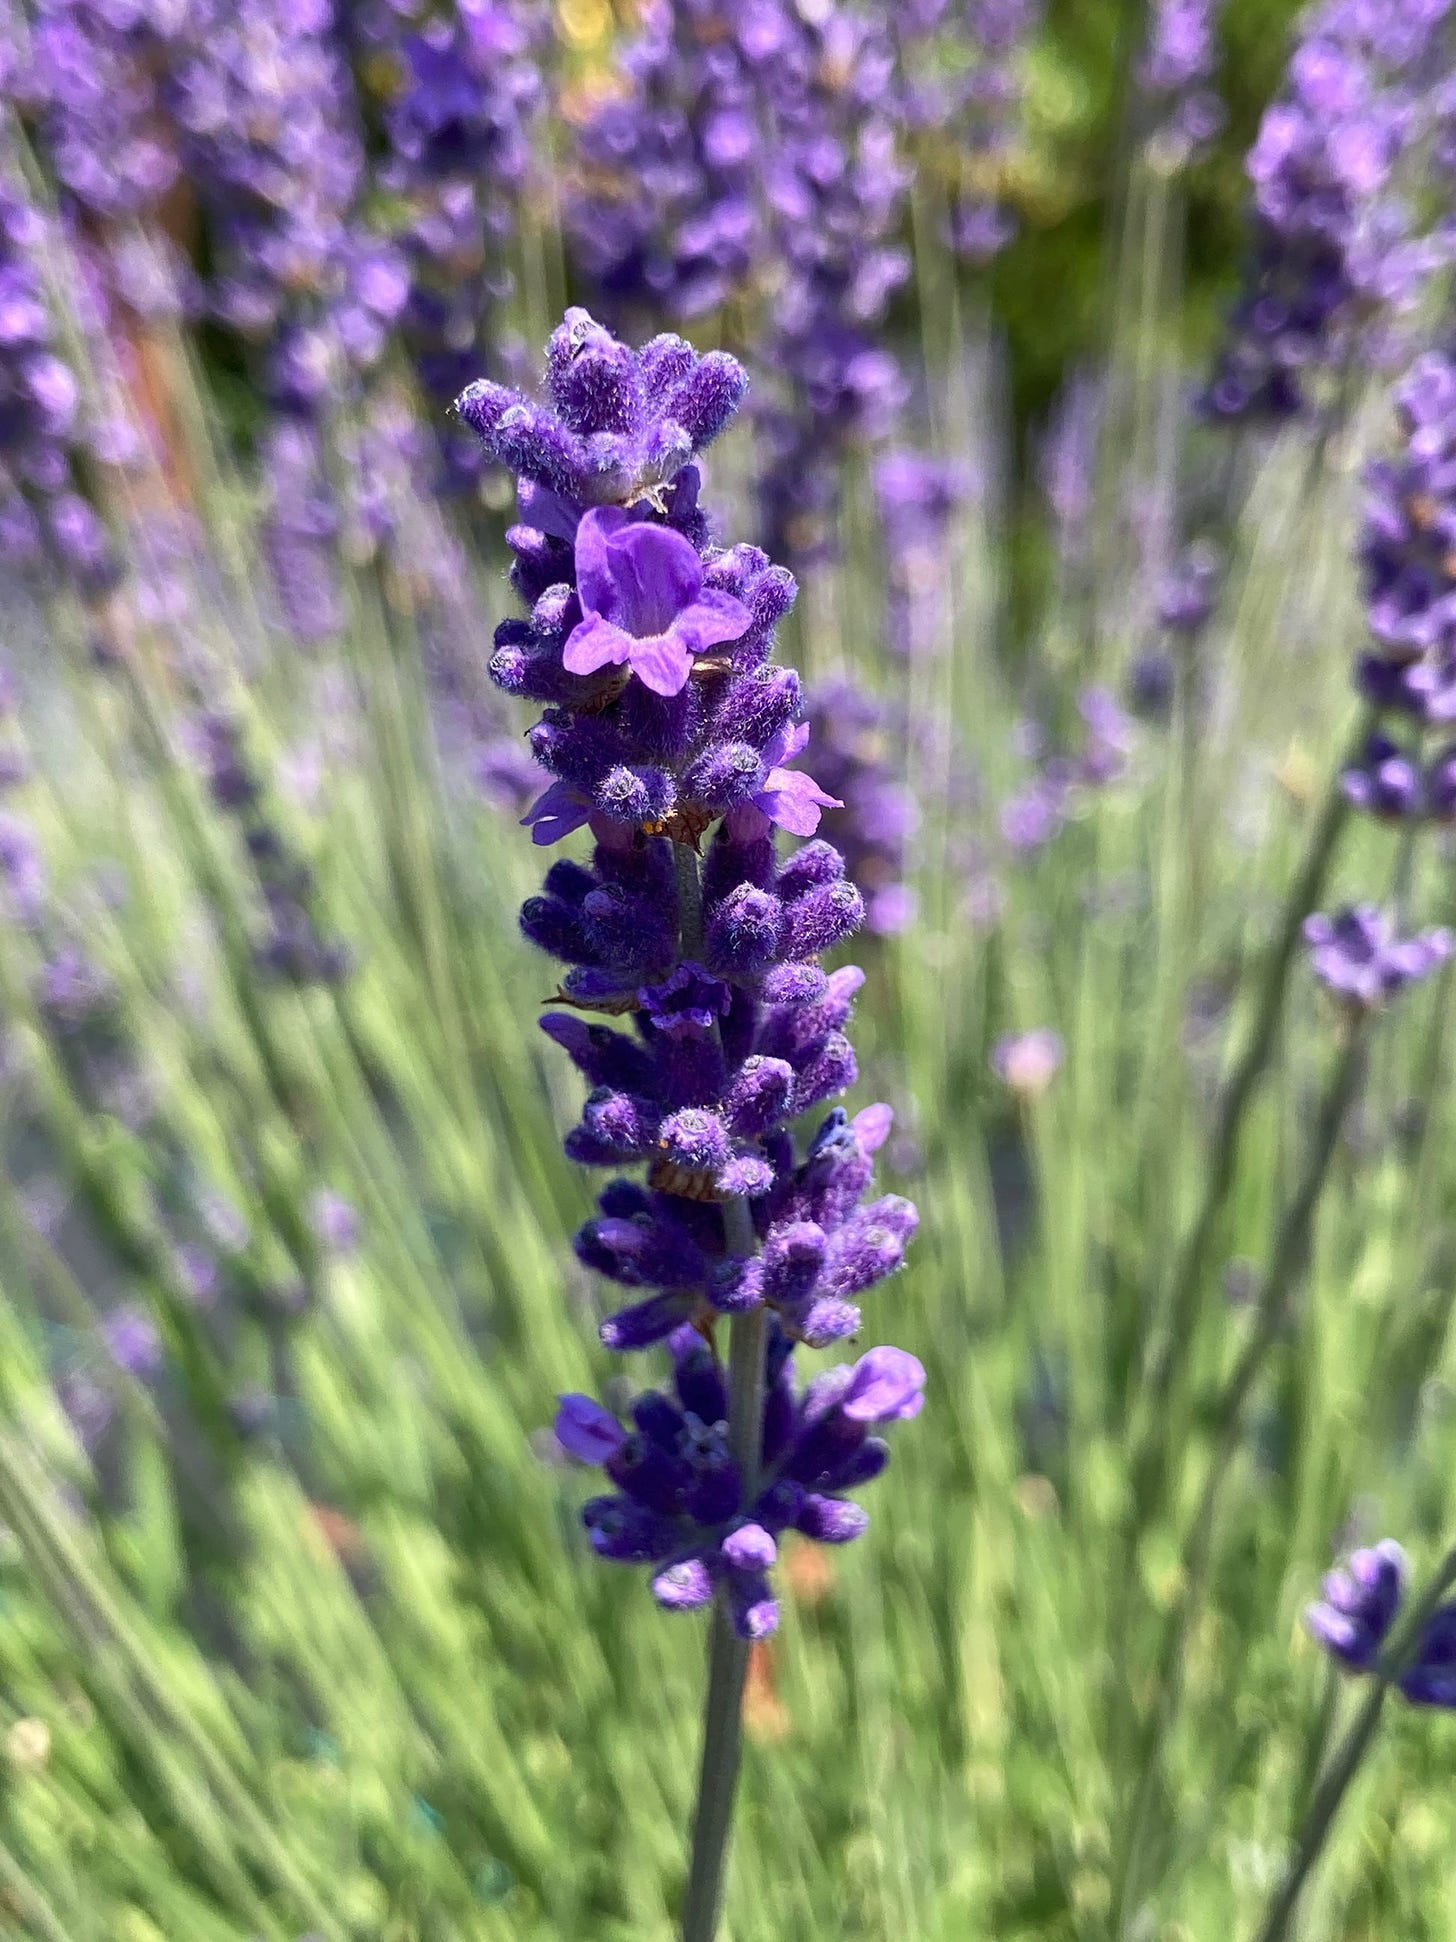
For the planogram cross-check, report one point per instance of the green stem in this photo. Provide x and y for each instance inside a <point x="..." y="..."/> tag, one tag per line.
<point x="1332" y="1788"/>
<point x="727" y="1653"/>
<point x="1291" y="1248"/>
<point x="1187" y="1279"/>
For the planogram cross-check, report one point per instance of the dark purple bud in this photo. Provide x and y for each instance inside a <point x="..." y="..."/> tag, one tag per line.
<point x="793" y="1256"/>
<point x="1360" y="1604"/>
<point x="705" y="399"/>
<point x="831" y="1520"/>
<point x="647" y="1473"/>
<point x="810" y="865"/>
<point x="759" y="1096"/>
<point x="750" y="1548"/>
<point x="684" y="1587"/>
<point x="754" y="1610"/>
<point x="659" y="1419"/>
<point x="724" y="776"/>
<point x="832" y="1070"/>
<point x="1431" y="1679"/>
<point x="755" y="705"/>
<point x="555" y="928"/>
<point x="628" y="1533"/>
<point x="695" y="1138"/>
<point x="744" y="932"/>
<point x="828" y="1320"/>
<point x="700" y="1384"/>
<point x="744" y="1177"/>
<point x="626" y="1124"/>
<point x="823" y="918"/>
<point x="793" y="984"/>
<point x="645" y="1323"/>
<point x="586" y="1431"/>
<point x="736" y="1286"/>
<point x="635" y="795"/>
<point x="569" y="882"/>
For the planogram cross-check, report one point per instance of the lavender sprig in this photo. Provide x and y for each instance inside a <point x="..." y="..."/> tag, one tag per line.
<point x="1335" y="243"/>
<point x="665" y="719"/>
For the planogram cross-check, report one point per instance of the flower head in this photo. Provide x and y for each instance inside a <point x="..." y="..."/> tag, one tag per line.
<point x="644" y="603"/>
<point x="1360" y="1604"/>
<point x="1359" y="956"/>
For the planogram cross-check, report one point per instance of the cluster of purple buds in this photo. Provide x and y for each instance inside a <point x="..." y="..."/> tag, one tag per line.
<point x="665" y="716"/>
<point x="677" y="1502"/>
<point x="1408" y="553"/>
<point x="45" y="440"/>
<point x="98" y="88"/>
<point x="291" y="946"/>
<point x="269" y="131"/>
<point x="963" y="80"/>
<point x="857" y="740"/>
<point x="752" y="156"/>
<point x="1175" y="76"/>
<point x="457" y="125"/>
<point x="1035" y="814"/>
<point x="917" y="498"/>
<point x="1334" y="243"/>
<point x="1407" y="674"/>
<point x="1361" y="1602"/>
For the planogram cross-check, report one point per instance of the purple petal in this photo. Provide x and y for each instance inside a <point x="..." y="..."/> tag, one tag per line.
<point x="712" y="619"/>
<point x="555" y="813"/>
<point x="871" y="1127"/>
<point x="595" y="643"/>
<point x="661" y="663"/>
<point x="887" y="1385"/>
<point x="587" y="1431"/>
<point x="549" y="512"/>
<point x="793" y="800"/>
<point x="637" y="575"/>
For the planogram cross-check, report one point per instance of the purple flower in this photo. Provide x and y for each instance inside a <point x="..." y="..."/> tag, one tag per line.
<point x="739" y="1032"/>
<point x="1358" y="956"/>
<point x="1360" y="1604"/>
<point x="678" y="1502"/>
<point x="1027" y="1062"/>
<point x="644" y="602"/>
<point x="686" y="1004"/>
<point x="786" y="798"/>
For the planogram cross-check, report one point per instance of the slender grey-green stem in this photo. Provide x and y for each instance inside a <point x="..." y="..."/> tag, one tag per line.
<point x="1175" y="1321"/>
<point x="1335" y="1782"/>
<point x="727" y="1653"/>
<point x="1291" y="1249"/>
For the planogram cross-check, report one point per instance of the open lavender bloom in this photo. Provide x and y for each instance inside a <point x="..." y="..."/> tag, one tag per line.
<point x="678" y="1503"/>
<point x="664" y="717"/>
<point x="1359" y="957"/>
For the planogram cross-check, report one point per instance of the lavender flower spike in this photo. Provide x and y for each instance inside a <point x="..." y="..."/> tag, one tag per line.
<point x="666" y="719"/>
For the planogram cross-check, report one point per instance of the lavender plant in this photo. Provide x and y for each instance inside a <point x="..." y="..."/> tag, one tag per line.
<point x="666" y="719"/>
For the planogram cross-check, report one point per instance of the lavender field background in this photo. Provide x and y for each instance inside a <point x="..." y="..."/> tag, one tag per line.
<point x="1102" y="405"/>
